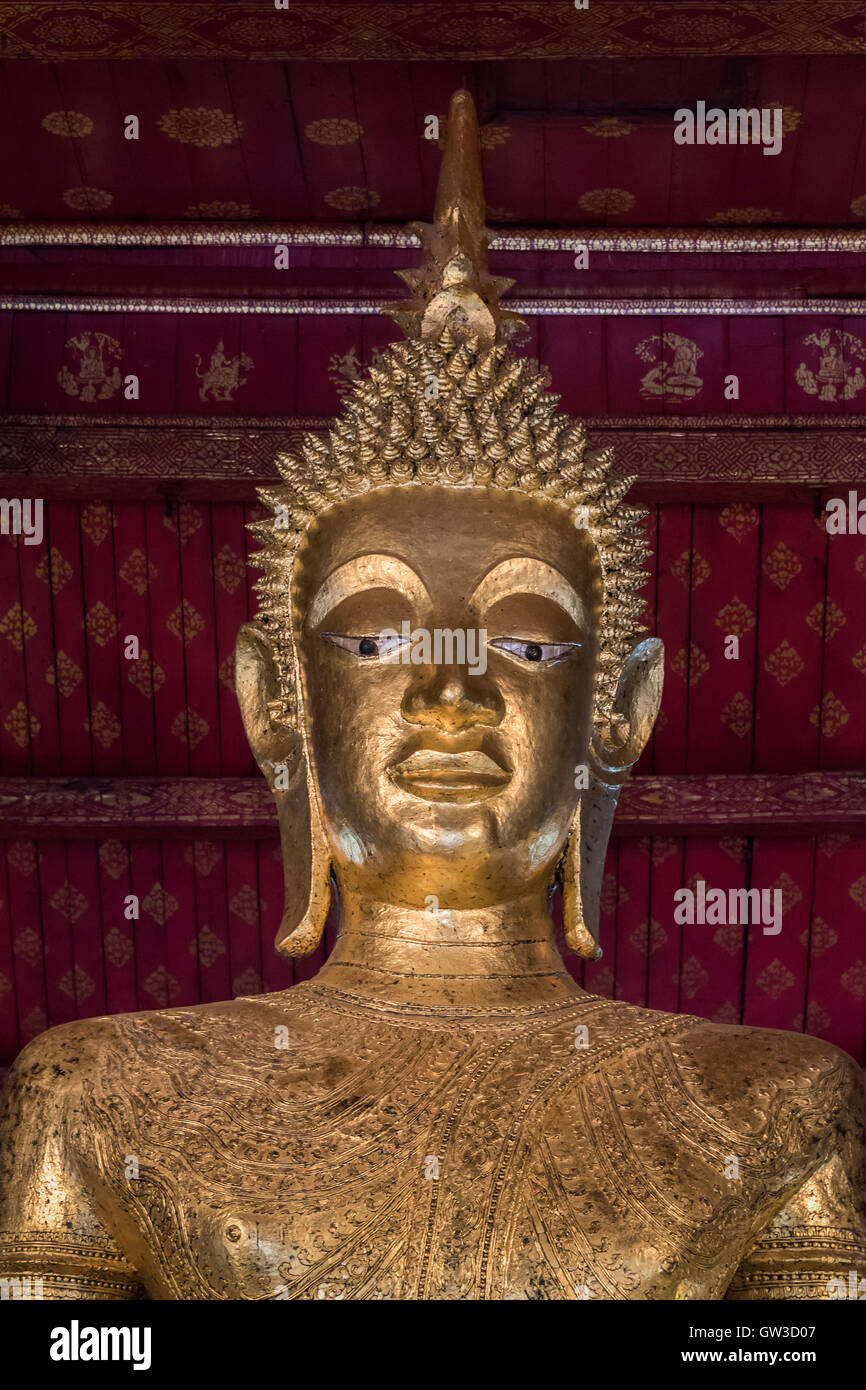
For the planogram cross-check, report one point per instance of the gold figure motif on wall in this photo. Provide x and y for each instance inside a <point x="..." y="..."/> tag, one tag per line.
<point x="837" y="377"/>
<point x="98" y="375"/>
<point x="441" y="1112"/>
<point x="672" y="375"/>
<point x="223" y="375"/>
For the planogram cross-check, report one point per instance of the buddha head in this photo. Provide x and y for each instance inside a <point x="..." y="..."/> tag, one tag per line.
<point x="446" y="684"/>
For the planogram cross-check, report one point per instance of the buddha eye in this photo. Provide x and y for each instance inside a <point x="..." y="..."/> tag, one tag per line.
<point x="381" y="646"/>
<point x="541" y="653"/>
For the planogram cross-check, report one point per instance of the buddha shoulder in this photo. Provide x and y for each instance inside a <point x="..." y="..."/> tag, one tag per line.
<point x="756" y="1081"/>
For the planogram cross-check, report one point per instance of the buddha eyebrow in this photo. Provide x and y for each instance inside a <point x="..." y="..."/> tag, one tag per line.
<point x="526" y="575"/>
<point x="366" y="572"/>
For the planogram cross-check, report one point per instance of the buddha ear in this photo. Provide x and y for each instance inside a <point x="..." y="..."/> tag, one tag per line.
<point x="275" y="736"/>
<point x="616" y="745"/>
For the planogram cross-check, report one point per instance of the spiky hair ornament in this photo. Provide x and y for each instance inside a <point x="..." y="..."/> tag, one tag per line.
<point x="452" y="407"/>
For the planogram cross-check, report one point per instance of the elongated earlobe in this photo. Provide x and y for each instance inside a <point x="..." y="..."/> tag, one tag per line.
<point x="276" y="739"/>
<point x="614" y="750"/>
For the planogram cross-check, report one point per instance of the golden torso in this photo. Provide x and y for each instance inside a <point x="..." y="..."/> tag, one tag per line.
<point x="315" y="1144"/>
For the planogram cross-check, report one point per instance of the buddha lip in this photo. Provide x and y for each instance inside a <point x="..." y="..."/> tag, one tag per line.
<point x="434" y="775"/>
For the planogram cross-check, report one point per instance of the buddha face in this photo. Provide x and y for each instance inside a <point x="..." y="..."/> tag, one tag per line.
<point x="446" y="769"/>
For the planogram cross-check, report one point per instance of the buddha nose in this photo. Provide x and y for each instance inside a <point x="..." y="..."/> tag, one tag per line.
<point x="452" y="700"/>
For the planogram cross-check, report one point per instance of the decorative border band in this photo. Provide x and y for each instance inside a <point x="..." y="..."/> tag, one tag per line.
<point x="712" y="458"/>
<point x="687" y="241"/>
<point x="183" y="807"/>
<point x="565" y="306"/>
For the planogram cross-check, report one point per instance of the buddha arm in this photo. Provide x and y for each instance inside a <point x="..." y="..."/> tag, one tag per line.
<point x="53" y="1244"/>
<point x="815" y="1248"/>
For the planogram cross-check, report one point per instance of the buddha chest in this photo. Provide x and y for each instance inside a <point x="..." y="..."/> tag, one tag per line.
<point x="305" y="1145"/>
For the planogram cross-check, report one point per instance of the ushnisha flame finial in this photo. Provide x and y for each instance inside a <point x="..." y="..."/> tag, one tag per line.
<point x="452" y="289"/>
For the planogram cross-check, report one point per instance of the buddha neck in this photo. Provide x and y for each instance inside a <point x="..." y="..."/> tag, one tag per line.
<point x="500" y="955"/>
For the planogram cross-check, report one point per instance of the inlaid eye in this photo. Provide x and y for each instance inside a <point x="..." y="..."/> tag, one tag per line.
<point x="540" y="653"/>
<point x="380" y="647"/>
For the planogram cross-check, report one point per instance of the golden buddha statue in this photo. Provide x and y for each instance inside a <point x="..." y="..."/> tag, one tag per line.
<point x="441" y="1113"/>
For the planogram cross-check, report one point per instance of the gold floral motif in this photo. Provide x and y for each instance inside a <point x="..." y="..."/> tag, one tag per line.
<point x="223" y="377"/>
<point x="727" y="1013"/>
<point x="832" y="714"/>
<point x="663" y="849"/>
<point x="21" y="725"/>
<point x="672" y="376"/>
<point x="729" y="937"/>
<point x="65" y="675"/>
<point x="737" y="715"/>
<point x="7" y="210"/>
<point x="96" y="521"/>
<point x="854" y="979"/>
<point x="226" y="672"/>
<point x="743" y="217"/>
<point x="858" y="205"/>
<point x="821" y="938"/>
<point x="186" y="521"/>
<point x="791" y="117"/>
<point x="648" y="941"/>
<point x="738" y="520"/>
<point x="248" y="982"/>
<point x="351" y="198"/>
<point x="791" y="892"/>
<point x="691" y="569"/>
<point x="858" y="661"/>
<point x="53" y="569"/>
<point x="736" y="617"/>
<point x="857" y="892"/>
<point x="28" y="945"/>
<point x="775" y="979"/>
<point x="88" y="199"/>
<point x="817" y="1018"/>
<point x="72" y="124"/>
<point x="836" y="377"/>
<point x="607" y="202"/>
<point x="17" y="626"/>
<point x="21" y="856"/>
<point x="333" y="130"/>
<point x="499" y="214"/>
<point x="204" y="126"/>
<point x="190" y="727"/>
<point x="104" y="725"/>
<point x="693" y="977"/>
<point x="826" y="626"/>
<point x="608" y="127"/>
<point x="734" y="846"/>
<point x="245" y="904"/>
<point x="221" y="209"/>
<point x="138" y="571"/>
<point x="101" y="624"/>
<point x="785" y="663"/>
<point x="76" y="984"/>
<point x="146" y="675"/>
<point x="96" y="376"/>
<point x="204" y="855"/>
<point x="162" y="986"/>
<point x="782" y="565"/>
<point x="5" y="986"/>
<point x="229" y="569"/>
<point x="69" y="901"/>
<point x="114" y="858"/>
<point x="185" y="622"/>
<point x="207" y="946"/>
<point x="118" y="948"/>
<point x="159" y="904"/>
<point x="692" y="664"/>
